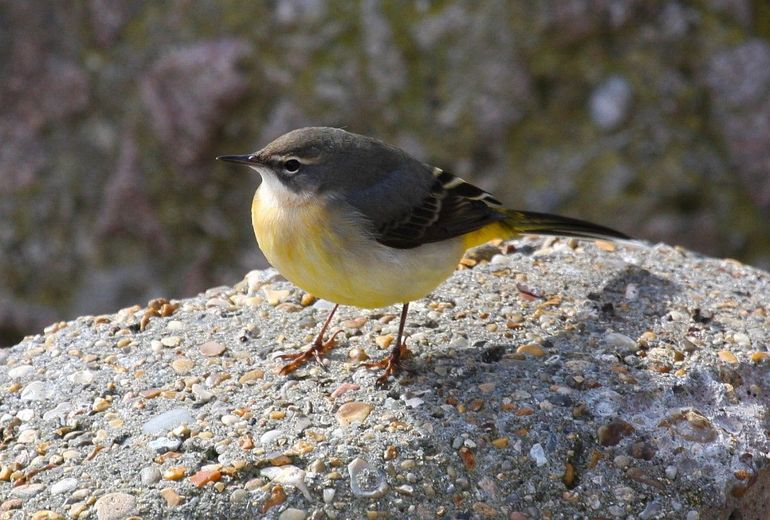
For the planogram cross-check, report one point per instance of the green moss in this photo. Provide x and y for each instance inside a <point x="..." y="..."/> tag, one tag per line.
<point x="761" y="13"/>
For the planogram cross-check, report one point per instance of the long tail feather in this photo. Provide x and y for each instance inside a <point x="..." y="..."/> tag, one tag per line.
<point x="529" y="222"/>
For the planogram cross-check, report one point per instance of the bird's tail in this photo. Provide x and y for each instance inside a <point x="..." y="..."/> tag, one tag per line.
<point x="529" y="222"/>
<point x="512" y="223"/>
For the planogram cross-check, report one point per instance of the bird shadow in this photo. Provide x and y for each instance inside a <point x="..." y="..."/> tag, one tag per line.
<point x="628" y="304"/>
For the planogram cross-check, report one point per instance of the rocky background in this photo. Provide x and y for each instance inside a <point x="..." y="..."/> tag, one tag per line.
<point x="652" y="117"/>
<point x="607" y="382"/>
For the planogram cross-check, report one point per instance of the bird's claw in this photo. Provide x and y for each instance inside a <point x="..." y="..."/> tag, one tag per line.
<point x="318" y="348"/>
<point x="391" y="363"/>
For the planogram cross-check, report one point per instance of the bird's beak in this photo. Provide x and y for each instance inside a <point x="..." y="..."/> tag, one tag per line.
<point x="250" y="159"/>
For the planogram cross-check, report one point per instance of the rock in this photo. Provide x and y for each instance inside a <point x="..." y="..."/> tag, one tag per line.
<point x="727" y="356"/>
<point x="366" y="480"/>
<point x="573" y="429"/>
<point x="610" y="102"/>
<point x="271" y="436"/>
<point x="612" y="433"/>
<point x="212" y="348"/>
<point x="167" y="421"/>
<point x="251" y="376"/>
<point x="208" y="74"/>
<point x="164" y="444"/>
<point x="116" y="506"/>
<point x="239" y="496"/>
<point x="174" y="473"/>
<point x="274" y="297"/>
<point x="10" y="504"/>
<point x="204" y="476"/>
<point x="171" y="341"/>
<point x="292" y="514"/>
<point x="739" y="84"/>
<point x="531" y="349"/>
<point x="537" y="454"/>
<point x="37" y="391"/>
<point x="20" y="372"/>
<point x="229" y="419"/>
<point x="202" y="395"/>
<point x="621" y="342"/>
<point x="353" y="412"/>
<point x="182" y="365"/>
<point x="172" y="498"/>
<point x="64" y="485"/>
<point x="81" y="377"/>
<point x="149" y="475"/>
<point x="343" y="388"/>
<point x="690" y="425"/>
<point x="46" y="514"/>
<point x="26" y="491"/>
<point x="28" y="437"/>
<point x="290" y="475"/>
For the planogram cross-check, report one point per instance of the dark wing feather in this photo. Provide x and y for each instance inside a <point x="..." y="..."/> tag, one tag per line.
<point x="452" y="207"/>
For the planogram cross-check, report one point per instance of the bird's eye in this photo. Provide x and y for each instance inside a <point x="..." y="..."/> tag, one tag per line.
<point x="291" y="166"/>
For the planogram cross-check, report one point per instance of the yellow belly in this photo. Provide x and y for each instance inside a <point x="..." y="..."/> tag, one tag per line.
<point x="324" y="253"/>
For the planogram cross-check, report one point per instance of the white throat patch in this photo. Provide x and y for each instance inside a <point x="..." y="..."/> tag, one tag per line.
<point x="273" y="192"/>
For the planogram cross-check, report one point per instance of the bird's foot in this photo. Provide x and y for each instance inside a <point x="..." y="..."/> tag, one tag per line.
<point x="318" y="348"/>
<point x="391" y="363"/>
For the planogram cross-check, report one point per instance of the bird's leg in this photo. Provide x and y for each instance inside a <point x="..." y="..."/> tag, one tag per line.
<point x="316" y="349"/>
<point x="392" y="362"/>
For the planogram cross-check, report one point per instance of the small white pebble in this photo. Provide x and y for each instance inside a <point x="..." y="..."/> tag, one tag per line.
<point x="632" y="292"/>
<point x="149" y="475"/>
<point x="741" y="339"/>
<point x="620" y="341"/>
<point x="27" y="437"/>
<point x="239" y="496"/>
<point x="26" y="414"/>
<point x="404" y="489"/>
<point x="81" y="377"/>
<point x="202" y="395"/>
<point x="292" y="514"/>
<point x="65" y="485"/>
<point x="229" y="420"/>
<point x="168" y="421"/>
<point x="537" y="453"/>
<point x="271" y="436"/>
<point x="20" y="371"/>
<point x="36" y="391"/>
<point x="171" y="341"/>
<point x="175" y="325"/>
<point x="290" y="475"/>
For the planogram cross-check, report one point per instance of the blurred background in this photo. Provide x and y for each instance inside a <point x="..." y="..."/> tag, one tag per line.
<point x="652" y="117"/>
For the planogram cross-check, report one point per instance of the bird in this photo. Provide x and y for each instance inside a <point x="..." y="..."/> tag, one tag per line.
<point x="358" y="222"/>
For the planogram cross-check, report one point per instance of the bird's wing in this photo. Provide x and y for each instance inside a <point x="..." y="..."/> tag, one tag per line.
<point x="444" y="207"/>
<point x="419" y="205"/>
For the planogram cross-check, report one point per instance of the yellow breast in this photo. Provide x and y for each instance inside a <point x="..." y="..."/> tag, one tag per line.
<point x="323" y="249"/>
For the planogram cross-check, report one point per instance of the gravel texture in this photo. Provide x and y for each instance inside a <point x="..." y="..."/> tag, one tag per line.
<point x="549" y="379"/>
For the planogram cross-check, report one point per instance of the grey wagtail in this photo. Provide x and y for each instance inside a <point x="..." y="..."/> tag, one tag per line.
<point x="358" y="222"/>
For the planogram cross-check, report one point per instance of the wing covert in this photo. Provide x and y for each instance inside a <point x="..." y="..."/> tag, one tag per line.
<point x="451" y="207"/>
